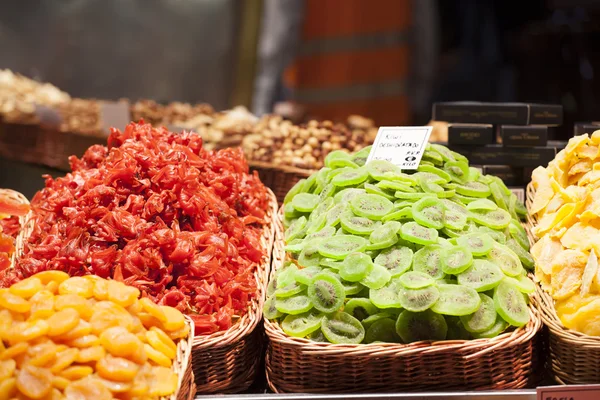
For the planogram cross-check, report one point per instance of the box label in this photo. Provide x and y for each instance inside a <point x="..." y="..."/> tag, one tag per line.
<point x="571" y="392"/>
<point x="519" y="192"/>
<point x="400" y="145"/>
<point x="114" y="115"/>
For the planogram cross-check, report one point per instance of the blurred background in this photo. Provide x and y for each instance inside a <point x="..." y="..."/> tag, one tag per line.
<point x="387" y="60"/>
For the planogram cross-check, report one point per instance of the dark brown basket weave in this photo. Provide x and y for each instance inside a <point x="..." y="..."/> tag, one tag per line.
<point x="299" y="365"/>
<point x="45" y="146"/>
<point x="574" y="357"/>
<point x="227" y="362"/>
<point x="17" y="198"/>
<point x="279" y="179"/>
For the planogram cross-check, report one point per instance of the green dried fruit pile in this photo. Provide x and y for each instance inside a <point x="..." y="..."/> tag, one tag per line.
<point x="381" y="255"/>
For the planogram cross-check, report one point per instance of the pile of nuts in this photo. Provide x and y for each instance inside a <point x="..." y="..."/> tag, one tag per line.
<point x="81" y="116"/>
<point x="280" y="142"/>
<point x="19" y="95"/>
<point x="158" y="114"/>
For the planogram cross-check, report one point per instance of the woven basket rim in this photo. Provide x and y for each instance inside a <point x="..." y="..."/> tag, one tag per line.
<point x="283" y="168"/>
<point x="546" y="303"/>
<point x="182" y="361"/>
<point x="248" y="322"/>
<point x="21" y="199"/>
<point x="475" y="348"/>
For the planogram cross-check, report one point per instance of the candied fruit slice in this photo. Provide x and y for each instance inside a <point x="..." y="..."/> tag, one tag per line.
<point x="14" y="351"/>
<point x="7" y="369"/>
<point x="60" y="382"/>
<point x="63" y="321"/>
<point x="78" y="303"/>
<point x="77" y="285"/>
<point x="83" y="328"/>
<point x="84" y="341"/>
<point x="116" y="369"/>
<point x="27" y="287"/>
<point x="116" y="387"/>
<point x="52" y="287"/>
<point x="156" y="356"/>
<point x="8" y="388"/>
<point x="13" y="302"/>
<point x="164" y="382"/>
<point x="77" y="372"/>
<point x="153" y="309"/>
<point x="107" y="314"/>
<point x="87" y="389"/>
<point x="64" y="359"/>
<point x="164" y="338"/>
<point x="122" y="294"/>
<point x="42" y="304"/>
<point x="42" y="354"/>
<point x="29" y="330"/>
<point x="93" y="353"/>
<point x="100" y="289"/>
<point x="34" y="382"/>
<point x="180" y="333"/>
<point x="174" y="318"/>
<point x="52" y="276"/>
<point x="156" y="342"/>
<point x="119" y="342"/>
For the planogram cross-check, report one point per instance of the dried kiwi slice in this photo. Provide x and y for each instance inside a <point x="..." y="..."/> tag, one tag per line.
<point x="383" y="330"/>
<point x="458" y="170"/>
<point x="479" y="244"/>
<point x="396" y="259"/>
<point x="371" y="319"/>
<point x="498" y="236"/>
<point x="433" y="170"/>
<point x="484" y="318"/>
<point x="338" y="247"/>
<point x="481" y="276"/>
<point x="334" y="215"/>
<point x="405" y="213"/>
<point x="426" y="325"/>
<point x="418" y="300"/>
<point x="446" y="154"/>
<point x="296" y="229"/>
<point x="355" y="267"/>
<point x="345" y="195"/>
<point x="290" y="212"/>
<point x="289" y="290"/>
<point x="454" y="220"/>
<point x="499" y="326"/>
<point x="326" y="292"/>
<point x="412" y="196"/>
<point x="497" y="219"/>
<point x="497" y="194"/>
<point x="357" y="225"/>
<point x="415" y="280"/>
<point x="518" y="233"/>
<point x="456" y="300"/>
<point x="360" y="308"/>
<point x="381" y="169"/>
<point x="456" y="260"/>
<point x="360" y="157"/>
<point x="372" y="189"/>
<point x="524" y="256"/>
<point x="351" y="177"/>
<point x="384" y="236"/>
<point x="326" y="232"/>
<point x="303" y="324"/>
<point x="371" y="206"/>
<point x="269" y="309"/>
<point x="506" y="259"/>
<point x="523" y="283"/>
<point x="327" y="192"/>
<point x="305" y="202"/>
<point x="395" y="185"/>
<point x="309" y="256"/>
<point x="294" y="305"/>
<point x="377" y="277"/>
<point x="306" y="275"/>
<point x="428" y="260"/>
<point x="473" y="189"/>
<point x="331" y="263"/>
<point x="510" y="304"/>
<point x="352" y="287"/>
<point x="429" y="212"/>
<point x="339" y="159"/>
<point x="482" y="204"/>
<point x="297" y="188"/>
<point x="416" y="233"/>
<point x="385" y="297"/>
<point x="286" y="276"/>
<point x="341" y="327"/>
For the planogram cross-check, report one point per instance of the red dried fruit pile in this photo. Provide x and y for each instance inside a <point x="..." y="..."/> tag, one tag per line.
<point x="9" y="228"/>
<point x="156" y="211"/>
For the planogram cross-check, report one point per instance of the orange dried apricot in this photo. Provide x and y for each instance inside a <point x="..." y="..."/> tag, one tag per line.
<point x="180" y="333"/>
<point x="64" y="359"/>
<point x="34" y="382"/>
<point x="174" y="318"/>
<point x="83" y="328"/>
<point x="77" y="372"/>
<point x="119" y="342"/>
<point x="81" y="305"/>
<point x="52" y="276"/>
<point x="153" y="309"/>
<point x="77" y="285"/>
<point x="7" y="369"/>
<point x="164" y="338"/>
<point x="42" y="354"/>
<point x="117" y="369"/>
<point x="93" y="353"/>
<point x="63" y="321"/>
<point x="87" y="389"/>
<point x="116" y="387"/>
<point x="27" y="287"/>
<point x="60" y="382"/>
<point x="156" y="356"/>
<point x="13" y="302"/>
<point x="42" y="304"/>
<point x="52" y="287"/>
<point x="156" y="342"/>
<point x="14" y="350"/>
<point x="8" y="388"/>
<point x="84" y="341"/>
<point x="164" y="382"/>
<point x="29" y="330"/>
<point x="122" y="294"/>
<point x="100" y="290"/>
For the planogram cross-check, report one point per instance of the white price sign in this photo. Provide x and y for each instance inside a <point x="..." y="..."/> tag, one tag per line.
<point x="400" y="145"/>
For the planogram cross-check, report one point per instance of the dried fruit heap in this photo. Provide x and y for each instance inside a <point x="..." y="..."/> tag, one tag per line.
<point x="158" y="212"/>
<point x="9" y="227"/>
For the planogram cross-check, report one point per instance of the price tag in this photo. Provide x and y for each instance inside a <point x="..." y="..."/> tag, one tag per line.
<point x="400" y="145"/>
<point x="571" y="392"/>
<point x="519" y="192"/>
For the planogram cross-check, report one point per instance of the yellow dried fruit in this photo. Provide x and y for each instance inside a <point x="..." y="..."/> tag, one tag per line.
<point x="13" y="302"/>
<point x="27" y="287"/>
<point x="77" y="285"/>
<point x="8" y="388"/>
<point x="52" y="276"/>
<point x="34" y="382"/>
<point x="87" y="389"/>
<point x="93" y="353"/>
<point x="42" y="304"/>
<point x="77" y="372"/>
<point x="119" y="342"/>
<point x="174" y="318"/>
<point x="63" y="321"/>
<point x="116" y="369"/>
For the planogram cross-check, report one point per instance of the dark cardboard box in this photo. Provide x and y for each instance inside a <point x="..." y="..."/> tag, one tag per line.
<point x="497" y="154"/>
<point x="557" y="144"/>
<point x="585" y="127"/>
<point x="471" y="134"/>
<point x="472" y="112"/>
<point x="511" y="176"/>
<point x="523" y="135"/>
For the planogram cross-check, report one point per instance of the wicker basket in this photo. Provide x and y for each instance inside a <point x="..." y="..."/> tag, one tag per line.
<point x="574" y="357"/>
<point x="279" y="179"/>
<point x="186" y="389"/>
<point x="45" y="146"/>
<point x="300" y="365"/>
<point x="227" y="362"/>
<point x="18" y="198"/>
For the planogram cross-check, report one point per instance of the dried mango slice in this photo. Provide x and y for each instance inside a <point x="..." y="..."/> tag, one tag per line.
<point x="567" y="271"/>
<point x="580" y="237"/>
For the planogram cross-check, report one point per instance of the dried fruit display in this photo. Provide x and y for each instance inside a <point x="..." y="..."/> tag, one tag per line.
<point x="376" y="254"/>
<point x="85" y="338"/>
<point x="567" y="208"/>
<point x="282" y="143"/>
<point x="156" y="211"/>
<point x="10" y="211"/>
